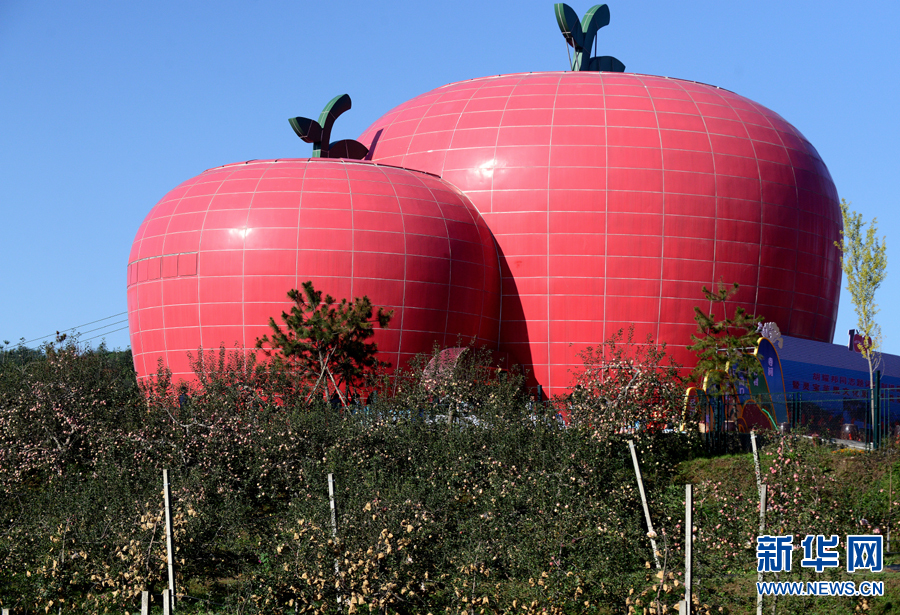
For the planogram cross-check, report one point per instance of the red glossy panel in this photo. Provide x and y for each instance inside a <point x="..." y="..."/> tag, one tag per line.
<point x="394" y="245"/>
<point x="176" y="243"/>
<point x="742" y="213"/>
<point x="610" y="136"/>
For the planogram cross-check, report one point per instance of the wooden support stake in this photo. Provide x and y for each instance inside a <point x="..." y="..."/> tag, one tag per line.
<point x="650" y="532"/>
<point x="331" y="498"/>
<point x="167" y="602"/>
<point x="337" y="570"/>
<point x="688" y="546"/>
<point x="761" y="489"/>
<point x="762" y="529"/>
<point x="169" y="598"/>
<point x="756" y="462"/>
<point x="145" y="602"/>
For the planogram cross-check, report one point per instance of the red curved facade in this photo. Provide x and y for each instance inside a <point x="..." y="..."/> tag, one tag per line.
<point x="614" y="197"/>
<point x="535" y="213"/>
<point x="216" y="256"/>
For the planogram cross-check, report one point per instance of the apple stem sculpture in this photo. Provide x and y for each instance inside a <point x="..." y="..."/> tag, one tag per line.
<point x="319" y="132"/>
<point x="582" y="35"/>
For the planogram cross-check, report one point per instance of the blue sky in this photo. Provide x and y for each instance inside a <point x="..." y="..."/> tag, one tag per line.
<point x="106" y="106"/>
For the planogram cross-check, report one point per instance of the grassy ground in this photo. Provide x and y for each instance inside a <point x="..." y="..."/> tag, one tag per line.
<point x="865" y="487"/>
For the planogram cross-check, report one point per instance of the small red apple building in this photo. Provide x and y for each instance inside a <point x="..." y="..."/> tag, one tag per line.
<point x="535" y="213"/>
<point x="213" y="261"/>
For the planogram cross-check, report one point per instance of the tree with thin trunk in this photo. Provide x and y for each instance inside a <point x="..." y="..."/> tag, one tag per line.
<point x="723" y="346"/>
<point x="325" y="342"/>
<point x="864" y="262"/>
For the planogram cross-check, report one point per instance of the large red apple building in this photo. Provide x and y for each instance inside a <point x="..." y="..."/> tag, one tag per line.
<point x="534" y="213"/>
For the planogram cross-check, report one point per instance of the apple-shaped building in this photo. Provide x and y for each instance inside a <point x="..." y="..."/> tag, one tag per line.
<point x="214" y="259"/>
<point x="533" y="213"/>
<point x="614" y="197"/>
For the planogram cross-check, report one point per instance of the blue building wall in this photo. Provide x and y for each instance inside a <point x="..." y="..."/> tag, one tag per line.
<point x="831" y="378"/>
<point x="817" y="367"/>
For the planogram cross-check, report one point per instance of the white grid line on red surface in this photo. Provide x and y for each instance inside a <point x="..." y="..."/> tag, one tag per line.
<point x="405" y="257"/>
<point x="299" y="229"/>
<point x="797" y="192"/>
<point x="760" y="244"/>
<point x="716" y="196"/>
<point x="604" y="333"/>
<point x="662" y="247"/>
<point x="547" y="239"/>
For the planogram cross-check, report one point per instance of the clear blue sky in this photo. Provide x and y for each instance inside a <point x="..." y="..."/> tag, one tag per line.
<point x="106" y="106"/>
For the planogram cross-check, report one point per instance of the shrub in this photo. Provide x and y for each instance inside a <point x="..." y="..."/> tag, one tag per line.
<point x="454" y="495"/>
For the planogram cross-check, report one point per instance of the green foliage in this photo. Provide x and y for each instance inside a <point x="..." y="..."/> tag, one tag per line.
<point x="17" y="355"/>
<point x="864" y="262"/>
<point x="325" y="342"/>
<point x="492" y="504"/>
<point x="624" y="384"/>
<point x="56" y="406"/>
<point x="451" y="498"/>
<point x="721" y="345"/>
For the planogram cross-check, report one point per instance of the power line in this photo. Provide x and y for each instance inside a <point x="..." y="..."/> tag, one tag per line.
<point x="102" y="319"/>
<point x="75" y="327"/>
<point x="102" y="334"/>
<point x="112" y="324"/>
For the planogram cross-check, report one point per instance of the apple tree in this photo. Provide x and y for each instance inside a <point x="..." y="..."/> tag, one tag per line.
<point x="625" y="383"/>
<point x="326" y="342"/>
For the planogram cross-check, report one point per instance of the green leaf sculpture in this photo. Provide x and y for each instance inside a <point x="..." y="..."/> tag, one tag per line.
<point x="580" y="35"/>
<point x="319" y="132"/>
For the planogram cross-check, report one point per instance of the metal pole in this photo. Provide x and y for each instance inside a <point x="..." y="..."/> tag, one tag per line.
<point x="688" y="546"/>
<point x="878" y="417"/>
<point x="170" y="556"/>
<point x="650" y="532"/>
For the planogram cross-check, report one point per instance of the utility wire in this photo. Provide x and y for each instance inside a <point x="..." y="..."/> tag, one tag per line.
<point x="75" y="327"/>
<point x="112" y="324"/>
<point x="102" y="334"/>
